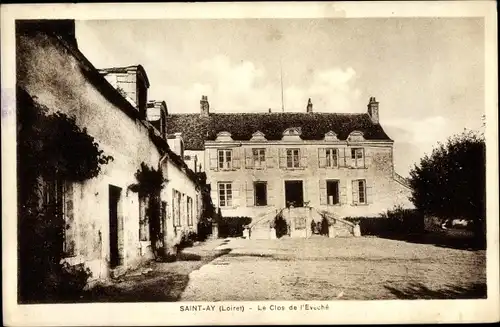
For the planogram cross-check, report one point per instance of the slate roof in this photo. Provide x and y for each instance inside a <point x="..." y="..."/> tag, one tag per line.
<point x="196" y="128"/>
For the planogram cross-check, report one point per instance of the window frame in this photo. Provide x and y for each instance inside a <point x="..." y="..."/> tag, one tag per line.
<point x="330" y="155"/>
<point x="176" y="208"/>
<point x="358" y="162"/>
<point x="361" y="191"/>
<point x="337" y="196"/>
<point x="293" y="157"/>
<point x="227" y="159"/>
<point x="225" y="194"/>
<point x="256" y="203"/>
<point x="259" y="158"/>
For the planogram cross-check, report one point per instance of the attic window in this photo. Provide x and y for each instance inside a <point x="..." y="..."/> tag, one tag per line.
<point x="258" y="136"/>
<point x="224" y="136"/>
<point x="356" y="136"/>
<point x="331" y="136"/>
<point x="295" y="131"/>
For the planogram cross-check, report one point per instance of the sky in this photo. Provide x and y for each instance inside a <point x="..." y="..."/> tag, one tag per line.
<point x="427" y="73"/>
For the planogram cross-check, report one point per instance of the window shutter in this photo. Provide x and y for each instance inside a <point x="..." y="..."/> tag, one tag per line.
<point x="212" y="154"/>
<point x="236" y="194"/>
<point x="322" y="192"/>
<point x="322" y="157"/>
<point x="341" y="158"/>
<point x="70" y="230"/>
<point x="303" y="157"/>
<point x="348" y="157"/>
<point x="368" y="157"/>
<point x="248" y="158"/>
<point x="343" y="191"/>
<point x="282" y="159"/>
<point x="271" y="197"/>
<point x="236" y="153"/>
<point x="305" y="191"/>
<point x="355" y="194"/>
<point x="270" y="157"/>
<point x="369" y="191"/>
<point x="214" y="194"/>
<point x="249" y="194"/>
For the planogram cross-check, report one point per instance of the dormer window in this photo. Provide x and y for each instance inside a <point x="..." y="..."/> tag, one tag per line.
<point x="331" y="136"/>
<point x="292" y="134"/>
<point x="356" y="136"/>
<point x="223" y="137"/>
<point x="258" y="136"/>
<point x="292" y="131"/>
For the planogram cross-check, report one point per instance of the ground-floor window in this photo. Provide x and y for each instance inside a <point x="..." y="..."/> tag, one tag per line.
<point x="189" y="211"/>
<point x="225" y="194"/>
<point x="176" y="207"/>
<point x="143" y="223"/>
<point x="163" y="215"/>
<point x="332" y="192"/>
<point x="359" y="191"/>
<point x="260" y="190"/>
<point x="57" y="199"/>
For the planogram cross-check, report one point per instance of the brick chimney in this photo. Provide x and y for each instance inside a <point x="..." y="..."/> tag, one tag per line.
<point x="309" y="105"/>
<point x="204" y="106"/>
<point x="373" y="110"/>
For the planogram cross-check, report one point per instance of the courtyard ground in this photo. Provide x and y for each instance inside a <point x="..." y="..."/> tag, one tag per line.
<point x="318" y="268"/>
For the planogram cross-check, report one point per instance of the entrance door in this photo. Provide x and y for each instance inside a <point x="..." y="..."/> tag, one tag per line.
<point x="294" y="193"/>
<point x="114" y="228"/>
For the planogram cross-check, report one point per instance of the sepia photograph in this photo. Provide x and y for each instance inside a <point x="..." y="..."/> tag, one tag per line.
<point x="250" y="165"/>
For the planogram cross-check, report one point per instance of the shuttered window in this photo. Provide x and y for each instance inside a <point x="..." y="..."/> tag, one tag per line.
<point x="225" y="194"/>
<point x="224" y="159"/>
<point x="259" y="158"/>
<point x="357" y="158"/>
<point x="293" y="158"/>
<point x="331" y="158"/>
<point x="359" y="194"/>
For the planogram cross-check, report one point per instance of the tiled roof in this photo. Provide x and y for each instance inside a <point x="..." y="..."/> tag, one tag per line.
<point x="196" y="128"/>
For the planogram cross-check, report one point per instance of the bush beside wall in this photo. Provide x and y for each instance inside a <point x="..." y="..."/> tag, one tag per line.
<point x="232" y="226"/>
<point x="398" y="221"/>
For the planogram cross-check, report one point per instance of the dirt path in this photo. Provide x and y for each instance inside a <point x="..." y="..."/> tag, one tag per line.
<point x="157" y="281"/>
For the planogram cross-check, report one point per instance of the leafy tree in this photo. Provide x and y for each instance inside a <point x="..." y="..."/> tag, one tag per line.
<point x="451" y="182"/>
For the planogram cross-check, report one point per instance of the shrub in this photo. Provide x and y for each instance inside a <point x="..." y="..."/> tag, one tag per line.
<point x="232" y="226"/>
<point x="397" y="221"/>
<point x="280" y="225"/>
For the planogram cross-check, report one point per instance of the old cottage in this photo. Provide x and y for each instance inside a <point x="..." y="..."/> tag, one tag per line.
<point x="107" y="218"/>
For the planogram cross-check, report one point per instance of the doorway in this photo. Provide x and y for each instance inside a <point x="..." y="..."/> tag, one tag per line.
<point x="294" y="193"/>
<point x="114" y="226"/>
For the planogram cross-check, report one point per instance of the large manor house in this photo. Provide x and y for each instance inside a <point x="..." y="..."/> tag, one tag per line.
<point x="342" y="163"/>
<point x="249" y="164"/>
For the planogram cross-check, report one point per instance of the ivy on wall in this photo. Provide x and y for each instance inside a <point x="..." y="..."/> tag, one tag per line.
<point x="149" y="185"/>
<point x="50" y="147"/>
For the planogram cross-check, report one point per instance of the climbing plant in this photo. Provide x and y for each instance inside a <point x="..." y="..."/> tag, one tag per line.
<point x="149" y="185"/>
<point x="50" y="147"/>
